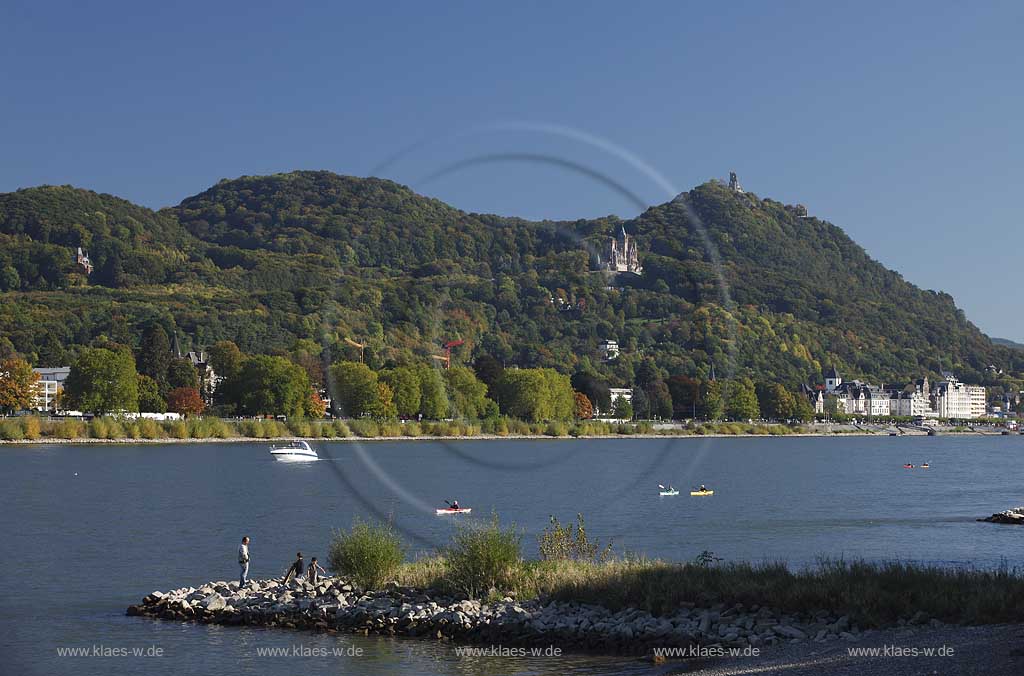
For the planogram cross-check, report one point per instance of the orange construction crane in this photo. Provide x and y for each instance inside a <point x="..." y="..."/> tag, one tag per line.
<point x="447" y="357"/>
<point x="359" y="345"/>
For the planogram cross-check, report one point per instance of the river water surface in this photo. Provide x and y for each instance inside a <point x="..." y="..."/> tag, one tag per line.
<point x="87" y="530"/>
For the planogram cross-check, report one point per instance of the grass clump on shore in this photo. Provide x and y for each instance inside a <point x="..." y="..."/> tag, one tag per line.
<point x="369" y="553"/>
<point x="11" y="430"/>
<point x="871" y="594"/>
<point x="67" y="429"/>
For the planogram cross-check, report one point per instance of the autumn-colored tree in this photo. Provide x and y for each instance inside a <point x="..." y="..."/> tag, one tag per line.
<point x="315" y="407"/>
<point x="584" y="410"/>
<point x="185" y="400"/>
<point x="17" y="384"/>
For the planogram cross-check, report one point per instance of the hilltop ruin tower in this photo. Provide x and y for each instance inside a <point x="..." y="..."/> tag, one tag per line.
<point x="734" y="183"/>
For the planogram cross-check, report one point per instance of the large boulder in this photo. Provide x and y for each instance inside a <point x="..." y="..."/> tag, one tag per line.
<point x="214" y="602"/>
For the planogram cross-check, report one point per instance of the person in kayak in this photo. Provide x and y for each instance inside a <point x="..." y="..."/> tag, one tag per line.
<point x="455" y="504"/>
<point x="298" y="567"/>
<point x="702" y="488"/>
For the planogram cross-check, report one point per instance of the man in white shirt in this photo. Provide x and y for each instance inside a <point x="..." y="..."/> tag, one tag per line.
<point x="243" y="561"/>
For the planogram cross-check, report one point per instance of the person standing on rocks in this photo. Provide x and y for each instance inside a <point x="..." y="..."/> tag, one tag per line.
<point x="298" y="567"/>
<point x="243" y="561"/>
<point x="314" y="571"/>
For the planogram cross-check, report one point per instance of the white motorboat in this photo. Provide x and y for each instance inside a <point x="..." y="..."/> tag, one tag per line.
<point x="296" y="451"/>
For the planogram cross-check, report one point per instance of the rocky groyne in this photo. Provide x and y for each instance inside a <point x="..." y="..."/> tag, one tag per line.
<point x="1010" y="516"/>
<point x="334" y="605"/>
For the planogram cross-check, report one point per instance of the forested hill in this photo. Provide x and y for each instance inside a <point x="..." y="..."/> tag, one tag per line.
<point x="367" y="222"/>
<point x="295" y="263"/>
<point x="40" y="229"/>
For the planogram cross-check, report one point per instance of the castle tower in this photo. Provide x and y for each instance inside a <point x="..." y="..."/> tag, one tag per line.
<point x="734" y="182"/>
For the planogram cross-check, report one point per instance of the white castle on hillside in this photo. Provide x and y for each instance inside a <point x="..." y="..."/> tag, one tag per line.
<point x="621" y="253"/>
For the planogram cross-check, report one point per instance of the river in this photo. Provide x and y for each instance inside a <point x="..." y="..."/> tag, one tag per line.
<point x="89" y="529"/>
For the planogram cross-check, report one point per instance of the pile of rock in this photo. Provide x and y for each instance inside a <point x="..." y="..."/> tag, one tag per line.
<point x="1012" y="516"/>
<point x="335" y="606"/>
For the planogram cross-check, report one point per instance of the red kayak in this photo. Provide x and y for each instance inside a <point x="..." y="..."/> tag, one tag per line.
<point x="908" y="467"/>
<point x="450" y="510"/>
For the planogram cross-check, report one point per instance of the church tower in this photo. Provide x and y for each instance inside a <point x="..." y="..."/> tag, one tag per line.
<point x="832" y="380"/>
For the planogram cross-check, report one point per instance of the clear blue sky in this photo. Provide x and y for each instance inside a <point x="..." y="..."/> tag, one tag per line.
<point x="902" y="124"/>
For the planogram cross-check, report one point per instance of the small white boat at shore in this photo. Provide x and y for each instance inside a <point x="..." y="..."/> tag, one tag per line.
<point x="296" y="451"/>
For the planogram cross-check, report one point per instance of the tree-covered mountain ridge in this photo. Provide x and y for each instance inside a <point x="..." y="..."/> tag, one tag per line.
<point x="304" y="260"/>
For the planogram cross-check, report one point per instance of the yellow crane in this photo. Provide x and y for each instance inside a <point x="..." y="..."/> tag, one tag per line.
<point x="447" y="357"/>
<point x="359" y="345"/>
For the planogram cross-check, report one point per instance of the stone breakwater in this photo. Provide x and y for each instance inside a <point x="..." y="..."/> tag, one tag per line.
<point x="335" y="606"/>
<point x="1011" y="516"/>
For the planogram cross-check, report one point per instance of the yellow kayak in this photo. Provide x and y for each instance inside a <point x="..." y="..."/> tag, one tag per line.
<point x="702" y="492"/>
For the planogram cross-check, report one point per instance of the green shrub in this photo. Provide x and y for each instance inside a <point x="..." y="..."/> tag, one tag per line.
<point x="300" y="428"/>
<point x="520" y="427"/>
<point x="390" y="429"/>
<point x="368" y="553"/>
<point x="11" y="430"/>
<point x="177" y="429"/>
<point x="570" y="542"/>
<point x="497" y="426"/>
<point x="555" y="429"/>
<point x="365" y="428"/>
<point x="481" y="558"/>
<point x="31" y="427"/>
<point x="68" y="429"/>
<point x="197" y="428"/>
<point x="106" y="428"/>
<point x="411" y="429"/>
<point x="98" y="428"/>
<point x="340" y="429"/>
<point x="131" y="429"/>
<point x="148" y="429"/>
<point x="219" y="429"/>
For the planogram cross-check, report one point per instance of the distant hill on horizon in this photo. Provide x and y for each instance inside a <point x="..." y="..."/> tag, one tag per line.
<point x="1008" y="343"/>
<point x="303" y="260"/>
